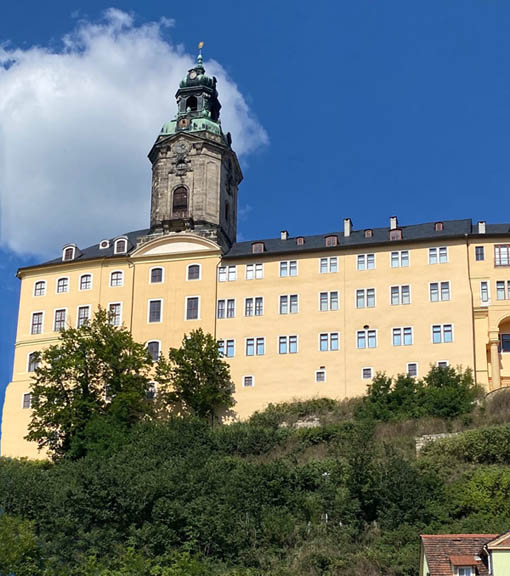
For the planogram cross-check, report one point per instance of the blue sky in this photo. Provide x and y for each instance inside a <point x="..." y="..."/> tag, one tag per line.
<point x="358" y="109"/>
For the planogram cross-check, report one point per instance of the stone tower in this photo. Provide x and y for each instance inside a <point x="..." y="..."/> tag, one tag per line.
<point x="195" y="172"/>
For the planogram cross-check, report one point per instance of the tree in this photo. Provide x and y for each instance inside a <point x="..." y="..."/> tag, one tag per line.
<point x="199" y="379"/>
<point x="19" y="552"/>
<point x="95" y="370"/>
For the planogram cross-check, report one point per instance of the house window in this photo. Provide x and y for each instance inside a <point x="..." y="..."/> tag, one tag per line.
<point x="288" y="268"/>
<point x="248" y="381"/>
<point x="400" y="295"/>
<point x="399" y="259"/>
<point x="226" y="308"/>
<point x="328" y="301"/>
<point x="254" y="306"/>
<point x="289" y="304"/>
<point x="151" y="391"/>
<point x="330" y="241"/>
<point x="438" y="227"/>
<point x="226" y="348"/>
<point x="328" y="341"/>
<point x="255" y="346"/>
<point x="484" y="292"/>
<point x="194" y="272"/>
<point x="27" y="401"/>
<point x="287" y="344"/>
<point x="180" y="203"/>
<point x="68" y="254"/>
<point x="37" y="323"/>
<point x="504" y="344"/>
<point x="442" y="363"/>
<point x="365" y="298"/>
<point x="257" y="247"/>
<point x="366" y="373"/>
<point x="254" y="271"/>
<point x="192" y="308"/>
<point x="104" y="244"/>
<point x="366" y="339"/>
<point x="439" y="291"/>
<point x="442" y="333"/>
<point x="115" y="313"/>
<point x="479" y="253"/>
<point x="40" y="288"/>
<point x="503" y="290"/>
<point x="328" y="265"/>
<point x="83" y="315"/>
<point x="502" y="255"/>
<point x="438" y="255"/>
<point x="366" y="262"/>
<point x="227" y="273"/>
<point x="155" y="307"/>
<point x="156" y="275"/>
<point x="33" y="361"/>
<point x="86" y="282"/>
<point x="396" y="234"/>
<point x="120" y="246"/>
<point x="300" y="241"/>
<point x="60" y="320"/>
<point x="464" y="571"/>
<point x="368" y="233"/>
<point x="62" y="285"/>
<point x="412" y="369"/>
<point x="320" y="376"/>
<point x="153" y="349"/>
<point x="117" y="278"/>
<point x="402" y="336"/>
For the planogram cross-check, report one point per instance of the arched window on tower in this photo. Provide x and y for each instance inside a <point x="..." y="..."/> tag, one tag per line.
<point x="191" y="103"/>
<point x="180" y="203"/>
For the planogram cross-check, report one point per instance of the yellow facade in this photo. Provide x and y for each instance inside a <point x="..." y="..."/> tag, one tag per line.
<point x="307" y="372"/>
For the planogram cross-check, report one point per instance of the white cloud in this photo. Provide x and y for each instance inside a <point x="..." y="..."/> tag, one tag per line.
<point x="76" y="126"/>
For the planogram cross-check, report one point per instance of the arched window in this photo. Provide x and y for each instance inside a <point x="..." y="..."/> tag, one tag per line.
<point x="117" y="278"/>
<point x="192" y="103"/>
<point x="180" y="202"/>
<point x="68" y="253"/>
<point x="156" y="275"/>
<point x="194" y="272"/>
<point x="85" y="281"/>
<point x="153" y="349"/>
<point x="62" y="285"/>
<point x="33" y="361"/>
<point x="120" y="246"/>
<point x="40" y="288"/>
<point x="438" y="226"/>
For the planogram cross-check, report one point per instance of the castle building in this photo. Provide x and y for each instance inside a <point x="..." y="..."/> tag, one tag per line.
<point x="296" y="316"/>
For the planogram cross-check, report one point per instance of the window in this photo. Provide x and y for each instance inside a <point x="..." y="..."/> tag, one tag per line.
<point x="442" y="333"/>
<point x="438" y="255"/>
<point x="194" y="272"/>
<point x="502" y="255"/>
<point x="366" y="339"/>
<point x="287" y="344"/>
<point x="151" y="391"/>
<point x="254" y="306"/>
<point x="27" y="401"/>
<point x="83" y="315"/>
<point x="257" y="247"/>
<point x="226" y="308"/>
<point x="192" y="308"/>
<point x="402" y="336"/>
<point x="465" y="571"/>
<point x="504" y="343"/>
<point x="484" y="292"/>
<point x="288" y="268"/>
<point x="156" y="275"/>
<point x="479" y="253"/>
<point x="328" y="265"/>
<point x="60" y="320"/>
<point x="86" y="282"/>
<point x="320" y="376"/>
<point x="400" y="295"/>
<point x="412" y="369"/>
<point x="120" y="246"/>
<point x="328" y="341"/>
<point x="248" y="381"/>
<point x="153" y="349"/>
<point x="438" y="226"/>
<point x="62" y="285"/>
<point x="366" y="261"/>
<point x="68" y="253"/>
<point x="33" y="362"/>
<point x="104" y="244"/>
<point x="503" y="290"/>
<point x="180" y="203"/>
<point x="368" y="233"/>
<point x="439" y="291"/>
<point x="255" y="346"/>
<point x="366" y="373"/>
<point x="117" y="278"/>
<point x="40" y="288"/>
<point x="365" y="298"/>
<point x="289" y="304"/>
<point x="328" y="301"/>
<point x="300" y="241"/>
<point x="254" y="271"/>
<point x="37" y="323"/>
<point x="226" y="348"/>
<point x="399" y="259"/>
<point x="227" y="273"/>
<point x="115" y="313"/>
<point x="330" y="241"/>
<point x="442" y="363"/>
<point x="155" y="307"/>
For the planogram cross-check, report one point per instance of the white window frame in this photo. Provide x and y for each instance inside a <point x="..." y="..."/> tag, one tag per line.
<point x="366" y="331"/>
<point x="399" y="253"/>
<point x="287" y="339"/>
<point x="254" y="267"/>
<point x="80" y="289"/>
<point x="68" y="285"/>
<point x="225" y="340"/>
<point x="417" y="369"/>
<point x="442" y="333"/>
<point x="400" y="295"/>
<point x="65" y="248"/>
<point x="329" y="335"/>
<point x="44" y="283"/>
<point x="329" y="260"/>
<point x="288" y="296"/>
<point x="78" y="312"/>
<point x="23" y="401"/>
<point x="252" y="380"/>
<point x="329" y="293"/>
<point x="363" y="259"/>
<point x="188" y="279"/>
<point x="32" y="321"/>
<point x="402" y="343"/>
<point x="445" y="362"/>
<point x="288" y="262"/>
<point x="121" y="311"/>
<point x="321" y="371"/>
<point x="28" y="361"/>
<point x="66" y="317"/>
<point x="488" y="285"/>
<point x="365" y="298"/>
<point x="438" y="254"/>
<point x="162" y="275"/>
<point x="371" y="373"/>
<point x="160" y="311"/>
<point x="199" y="309"/>
<point x="159" y="347"/>
<point x="440" y="291"/>
<point x="116" y="242"/>
<point x="227" y="269"/>
<point x="254" y="338"/>
<point x="122" y="279"/>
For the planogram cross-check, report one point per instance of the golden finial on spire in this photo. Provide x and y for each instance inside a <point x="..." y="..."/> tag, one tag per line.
<point x="200" y="45"/>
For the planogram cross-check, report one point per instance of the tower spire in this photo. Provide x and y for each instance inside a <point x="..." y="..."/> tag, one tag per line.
<point x="200" y="60"/>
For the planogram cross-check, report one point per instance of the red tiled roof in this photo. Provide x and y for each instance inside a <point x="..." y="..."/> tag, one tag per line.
<point x="463" y="560"/>
<point x="502" y="541"/>
<point x="440" y="548"/>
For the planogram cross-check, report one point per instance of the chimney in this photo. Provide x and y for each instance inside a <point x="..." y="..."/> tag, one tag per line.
<point x="347" y="227"/>
<point x="284" y="235"/>
<point x="481" y="227"/>
<point x="393" y="222"/>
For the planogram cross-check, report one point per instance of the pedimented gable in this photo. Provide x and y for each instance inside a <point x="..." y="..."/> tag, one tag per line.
<point x="176" y="244"/>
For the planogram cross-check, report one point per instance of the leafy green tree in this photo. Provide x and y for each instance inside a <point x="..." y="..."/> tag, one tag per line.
<point x="198" y="379"/>
<point x="19" y="553"/>
<point x="94" y="370"/>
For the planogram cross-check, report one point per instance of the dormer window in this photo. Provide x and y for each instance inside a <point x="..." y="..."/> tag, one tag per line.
<point x="331" y="240"/>
<point x="120" y="246"/>
<point x="257" y="247"/>
<point x="396" y="234"/>
<point x="68" y="253"/>
<point x="438" y="226"/>
<point x="300" y="241"/>
<point x="104" y="244"/>
<point x="369" y="233"/>
<point x="464" y="571"/>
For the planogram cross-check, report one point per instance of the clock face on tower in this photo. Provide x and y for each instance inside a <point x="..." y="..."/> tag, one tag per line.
<point x="193" y="74"/>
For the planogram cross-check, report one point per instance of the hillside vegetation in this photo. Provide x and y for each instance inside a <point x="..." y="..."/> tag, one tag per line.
<point x="178" y="497"/>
